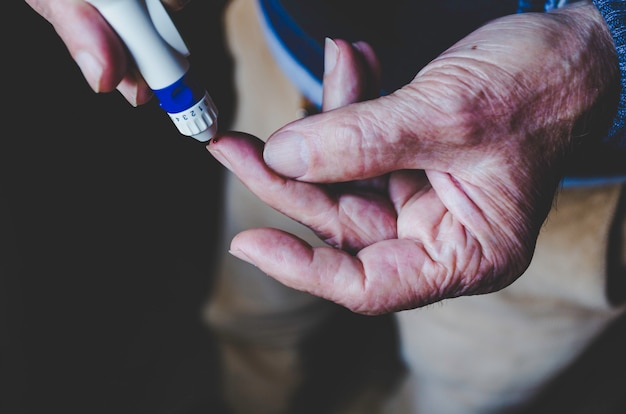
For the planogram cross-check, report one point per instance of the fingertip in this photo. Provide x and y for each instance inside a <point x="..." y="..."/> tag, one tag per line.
<point x="134" y="89"/>
<point x="351" y="73"/>
<point x="368" y="53"/>
<point x="241" y="255"/>
<point x="91" y="68"/>
<point x="240" y="152"/>
<point x="371" y="68"/>
<point x="217" y="153"/>
<point x="331" y="52"/>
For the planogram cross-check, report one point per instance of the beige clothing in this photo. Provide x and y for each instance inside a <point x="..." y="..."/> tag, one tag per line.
<point x="468" y="355"/>
<point x="484" y="353"/>
<point x="260" y="322"/>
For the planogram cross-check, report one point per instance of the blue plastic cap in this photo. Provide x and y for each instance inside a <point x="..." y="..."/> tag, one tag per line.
<point x="179" y="96"/>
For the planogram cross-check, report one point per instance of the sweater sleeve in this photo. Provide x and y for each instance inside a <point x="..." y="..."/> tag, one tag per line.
<point x="614" y="13"/>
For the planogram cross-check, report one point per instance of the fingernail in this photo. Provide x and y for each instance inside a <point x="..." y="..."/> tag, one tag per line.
<point x="287" y="154"/>
<point x="129" y="92"/>
<point x="130" y="88"/>
<point x="134" y="88"/>
<point x="331" y="51"/>
<point x="241" y="255"/>
<point x="91" y="69"/>
<point x="217" y="154"/>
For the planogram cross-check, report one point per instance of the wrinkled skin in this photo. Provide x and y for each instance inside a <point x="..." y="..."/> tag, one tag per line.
<point x="439" y="189"/>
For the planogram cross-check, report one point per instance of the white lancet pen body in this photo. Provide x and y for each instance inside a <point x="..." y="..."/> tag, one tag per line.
<point x="161" y="57"/>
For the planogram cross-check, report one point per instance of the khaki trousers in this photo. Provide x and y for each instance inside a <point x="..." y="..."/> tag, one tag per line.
<point x="468" y="355"/>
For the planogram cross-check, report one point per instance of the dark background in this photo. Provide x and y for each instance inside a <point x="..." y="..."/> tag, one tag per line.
<point x="107" y="221"/>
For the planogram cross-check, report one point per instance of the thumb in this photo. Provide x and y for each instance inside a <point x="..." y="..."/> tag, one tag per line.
<point x="352" y="141"/>
<point x="351" y="74"/>
<point x="357" y="141"/>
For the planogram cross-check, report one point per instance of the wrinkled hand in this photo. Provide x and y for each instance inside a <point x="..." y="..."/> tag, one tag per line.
<point x="439" y="189"/>
<point x="96" y="48"/>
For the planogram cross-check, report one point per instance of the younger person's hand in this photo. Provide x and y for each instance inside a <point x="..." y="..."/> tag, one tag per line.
<point x="95" y="46"/>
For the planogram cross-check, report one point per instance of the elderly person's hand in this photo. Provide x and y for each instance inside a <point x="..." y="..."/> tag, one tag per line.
<point x="439" y="189"/>
<point x="96" y="48"/>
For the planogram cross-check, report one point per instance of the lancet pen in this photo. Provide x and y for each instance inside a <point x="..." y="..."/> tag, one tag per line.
<point x="160" y="54"/>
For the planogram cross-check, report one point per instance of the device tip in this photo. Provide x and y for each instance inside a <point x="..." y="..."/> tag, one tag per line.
<point x="207" y="134"/>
